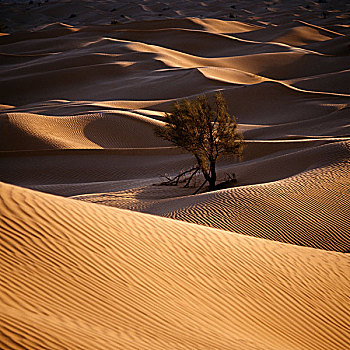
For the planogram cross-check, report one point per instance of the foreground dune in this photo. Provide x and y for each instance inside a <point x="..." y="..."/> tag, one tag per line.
<point x="83" y="276"/>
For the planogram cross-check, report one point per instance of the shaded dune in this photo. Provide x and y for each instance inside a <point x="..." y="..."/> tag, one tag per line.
<point x="289" y="65"/>
<point x="338" y="46"/>
<point x="52" y="31"/>
<point x="69" y="167"/>
<point x="328" y="123"/>
<point x="94" y="165"/>
<point x="153" y="14"/>
<point x="309" y="208"/>
<point x="331" y="82"/>
<point x="292" y="33"/>
<point x="212" y="25"/>
<point x="101" y="77"/>
<point x="280" y="163"/>
<point x="189" y="41"/>
<point x="45" y="169"/>
<point x="270" y="103"/>
<point x="106" y="278"/>
<point x="252" y="99"/>
<point x="64" y="62"/>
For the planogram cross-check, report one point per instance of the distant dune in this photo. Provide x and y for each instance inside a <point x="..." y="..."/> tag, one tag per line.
<point x="261" y="265"/>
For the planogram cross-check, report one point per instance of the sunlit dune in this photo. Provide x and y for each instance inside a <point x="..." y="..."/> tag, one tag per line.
<point x="80" y="275"/>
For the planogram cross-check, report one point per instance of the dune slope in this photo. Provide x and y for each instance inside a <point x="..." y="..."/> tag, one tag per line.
<point x="104" y="278"/>
<point x="309" y="208"/>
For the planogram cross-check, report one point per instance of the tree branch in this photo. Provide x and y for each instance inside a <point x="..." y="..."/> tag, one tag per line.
<point x="175" y="180"/>
<point x="200" y="187"/>
<point x="191" y="177"/>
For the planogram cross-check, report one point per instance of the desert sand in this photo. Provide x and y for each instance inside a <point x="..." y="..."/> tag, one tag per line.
<point x="96" y="253"/>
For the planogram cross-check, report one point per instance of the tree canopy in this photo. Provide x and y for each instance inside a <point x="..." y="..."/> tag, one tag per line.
<point x="204" y="130"/>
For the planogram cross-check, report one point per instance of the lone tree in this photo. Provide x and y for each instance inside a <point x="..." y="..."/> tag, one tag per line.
<point x="204" y="131"/>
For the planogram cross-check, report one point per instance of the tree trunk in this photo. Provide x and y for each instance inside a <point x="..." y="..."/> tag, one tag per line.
<point x="212" y="176"/>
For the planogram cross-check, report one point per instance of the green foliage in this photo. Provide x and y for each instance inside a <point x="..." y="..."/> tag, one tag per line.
<point x="205" y="131"/>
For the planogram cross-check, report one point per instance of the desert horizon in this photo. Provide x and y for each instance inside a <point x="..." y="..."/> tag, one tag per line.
<point x="101" y="248"/>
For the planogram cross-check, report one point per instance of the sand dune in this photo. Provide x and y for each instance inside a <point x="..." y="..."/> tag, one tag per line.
<point x="82" y="85"/>
<point x="62" y="61"/>
<point x="324" y="81"/>
<point x="309" y="208"/>
<point x="107" y="278"/>
<point x="34" y="132"/>
<point x="125" y="11"/>
<point x="296" y="33"/>
<point x="74" y="166"/>
<point x="338" y="46"/>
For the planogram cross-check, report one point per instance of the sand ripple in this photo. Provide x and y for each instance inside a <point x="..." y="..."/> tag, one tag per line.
<point x="78" y="275"/>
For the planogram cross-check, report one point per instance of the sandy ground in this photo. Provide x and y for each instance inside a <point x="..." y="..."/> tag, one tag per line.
<point x="262" y="265"/>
